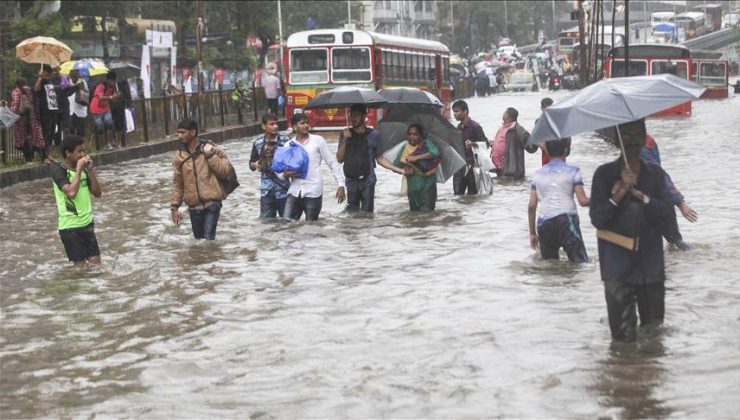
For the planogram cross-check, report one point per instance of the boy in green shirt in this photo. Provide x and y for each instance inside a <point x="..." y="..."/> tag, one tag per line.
<point x="74" y="180"/>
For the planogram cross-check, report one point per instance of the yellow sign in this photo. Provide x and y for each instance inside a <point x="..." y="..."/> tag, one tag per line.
<point x="301" y="100"/>
<point x="330" y="113"/>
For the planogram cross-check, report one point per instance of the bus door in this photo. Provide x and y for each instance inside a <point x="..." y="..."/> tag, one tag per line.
<point x="712" y="74"/>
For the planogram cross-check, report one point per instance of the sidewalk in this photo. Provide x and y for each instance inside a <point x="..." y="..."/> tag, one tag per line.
<point x="171" y="143"/>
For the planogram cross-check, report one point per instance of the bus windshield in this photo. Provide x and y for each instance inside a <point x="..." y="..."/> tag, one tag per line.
<point x="351" y="65"/>
<point x="309" y="66"/>
<point x="678" y="68"/>
<point x="712" y="74"/>
<point x="637" y="68"/>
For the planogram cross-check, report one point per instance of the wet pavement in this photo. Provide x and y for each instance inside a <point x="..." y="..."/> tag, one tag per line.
<point x="400" y="315"/>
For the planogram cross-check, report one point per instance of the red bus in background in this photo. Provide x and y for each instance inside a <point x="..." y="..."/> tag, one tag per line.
<point x="647" y="59"/>
<point x="566" y="42"/>
<point x="323" y="59"/>
<point x="710" y="70"/>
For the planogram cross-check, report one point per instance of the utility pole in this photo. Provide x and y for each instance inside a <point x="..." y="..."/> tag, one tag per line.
<point x="554" y="21"/>
<point x="199" y="51"/>
<point x="452" y="22"/>
<point x="506" y="18"/>
<point x="283" y="76"/>
<point x="581" y="44"/>
<point x="627" y="38"/>
<point x="349" y="14"/>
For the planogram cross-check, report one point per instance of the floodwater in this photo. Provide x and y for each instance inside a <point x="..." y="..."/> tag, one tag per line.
<point x="401" y="315"/>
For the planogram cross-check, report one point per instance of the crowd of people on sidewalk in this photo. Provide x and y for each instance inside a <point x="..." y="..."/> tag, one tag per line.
<point x="633" y="278"/>
<point x="56" y="105"/>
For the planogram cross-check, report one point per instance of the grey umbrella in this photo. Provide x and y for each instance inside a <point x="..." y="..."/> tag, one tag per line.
<point x="346" y="96"/>
<point x="405" y="95"/>
<point x="7" y="117"/>
<point x="436" y="128"/>
<point x="610" y="102"/>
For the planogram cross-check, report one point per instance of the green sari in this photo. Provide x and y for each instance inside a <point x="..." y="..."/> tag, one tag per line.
<point x="422" y="183"/>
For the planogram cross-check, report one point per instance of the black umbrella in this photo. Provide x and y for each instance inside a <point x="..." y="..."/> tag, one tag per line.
<point x="405" y="95"/>
<point x="436" y="128"/>
<point x="124" y="70"/>
<point x="346" y="96"/>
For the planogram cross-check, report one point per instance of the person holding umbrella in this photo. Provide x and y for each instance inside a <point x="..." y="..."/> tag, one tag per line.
<point x="633" y="278"/>
<point x="359" y="148"/>
<point x="420" y="159"/>
<point x="53" y="104"/>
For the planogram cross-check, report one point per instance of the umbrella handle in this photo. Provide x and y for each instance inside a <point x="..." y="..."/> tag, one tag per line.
<point x="621" y="146"/>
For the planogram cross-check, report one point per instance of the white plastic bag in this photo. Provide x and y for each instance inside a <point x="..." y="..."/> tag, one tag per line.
<point x="129" y="113"/>
<point x="483" y="160"/>
<point x="483" y="181"/>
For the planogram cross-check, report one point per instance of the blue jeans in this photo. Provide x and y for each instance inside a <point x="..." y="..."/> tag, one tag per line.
<point x="204" y="221"/>
<point x="271" y="206"/>
<point x="102" y="122"/>
<point x="360" y="195"/>
<point x="296" y="206"/>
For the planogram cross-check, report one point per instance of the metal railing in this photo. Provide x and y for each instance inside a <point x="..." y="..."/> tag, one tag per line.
<point x="157" y="118"/>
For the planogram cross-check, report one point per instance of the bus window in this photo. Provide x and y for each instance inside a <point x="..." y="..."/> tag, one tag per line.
<point x="446" y="67"/>
<point x="712" y="74"/>
<point x="386" y="64"/>
<point x="637" y="68"/>
<point x="419" y="66"/>
<point x="677" y="68"/>
<point x="350" y="64"/>
<point x="694" y="71"/>
<point x="396" y="64"/>
<point x="309" y="66"/>
<point x="406" y="64"/>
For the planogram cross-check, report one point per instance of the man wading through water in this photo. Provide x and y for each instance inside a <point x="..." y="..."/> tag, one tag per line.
<point x="359" y="149"/>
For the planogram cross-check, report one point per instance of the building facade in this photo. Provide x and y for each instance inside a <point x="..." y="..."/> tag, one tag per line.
<point x="411" y="18"/>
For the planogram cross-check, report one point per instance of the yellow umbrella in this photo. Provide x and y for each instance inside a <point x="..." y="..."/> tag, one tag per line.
<point x="43" y="50"/>
<point x="87" y="67"/>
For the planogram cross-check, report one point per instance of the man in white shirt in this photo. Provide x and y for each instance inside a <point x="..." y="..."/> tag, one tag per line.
<point x="305" y="195"/>
<point x="272" y="90"/>
<point x="78" y="102"/>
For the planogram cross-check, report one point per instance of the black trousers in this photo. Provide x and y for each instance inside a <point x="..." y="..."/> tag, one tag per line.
<point x="462" y="181"/>
<point x="621" y="301"/>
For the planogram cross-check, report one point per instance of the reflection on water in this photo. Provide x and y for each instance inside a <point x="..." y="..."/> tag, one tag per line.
<point x="447" y="314"/>
<point x="630" y="378"/>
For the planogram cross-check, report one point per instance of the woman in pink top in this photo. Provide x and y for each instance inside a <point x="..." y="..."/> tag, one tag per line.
<point x="100" y="110"/>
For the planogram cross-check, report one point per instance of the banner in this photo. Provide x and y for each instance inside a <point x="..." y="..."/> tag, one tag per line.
<point x="173" y="67"/>
<point x="145" y="75"/>
<point x="159" y="39"/>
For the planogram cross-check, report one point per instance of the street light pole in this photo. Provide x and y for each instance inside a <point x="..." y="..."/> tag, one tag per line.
<point x="199" y="51"/>
<point x="506" y="18"/>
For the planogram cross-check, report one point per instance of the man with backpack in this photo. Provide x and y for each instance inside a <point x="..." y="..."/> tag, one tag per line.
<point x="273" y="190"/>
<point x="199" y="170"/>
<point x="359" y="149"/>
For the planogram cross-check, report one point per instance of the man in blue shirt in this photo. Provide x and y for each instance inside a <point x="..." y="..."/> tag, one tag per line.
<point x="557" y="225"/>
<point x="633" y="279"/>
<point x="273" y="191"/>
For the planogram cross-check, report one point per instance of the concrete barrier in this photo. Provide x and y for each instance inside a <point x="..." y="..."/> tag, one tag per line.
<point x="31" y="173"/>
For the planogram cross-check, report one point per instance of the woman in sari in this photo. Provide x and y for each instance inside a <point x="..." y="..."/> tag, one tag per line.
<point x="28" y="136"/>
<point x="419" y="158"/>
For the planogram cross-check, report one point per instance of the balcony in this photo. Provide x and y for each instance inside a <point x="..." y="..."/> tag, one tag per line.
<point x="425" y="17"/>
<point x="385" y="16"/>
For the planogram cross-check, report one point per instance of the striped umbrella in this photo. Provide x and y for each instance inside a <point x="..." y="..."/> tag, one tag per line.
<point x="87" y="67"/>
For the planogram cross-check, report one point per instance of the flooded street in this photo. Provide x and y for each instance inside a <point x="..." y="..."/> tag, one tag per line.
<point x="401" y="315"/>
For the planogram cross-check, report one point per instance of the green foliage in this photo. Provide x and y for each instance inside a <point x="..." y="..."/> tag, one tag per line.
<point x="241" y="96"/>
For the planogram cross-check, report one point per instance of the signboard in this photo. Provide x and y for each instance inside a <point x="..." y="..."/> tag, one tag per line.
<point x="159" y="39"/>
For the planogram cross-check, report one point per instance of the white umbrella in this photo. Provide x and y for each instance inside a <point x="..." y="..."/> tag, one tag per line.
<point x="43" y="50"/>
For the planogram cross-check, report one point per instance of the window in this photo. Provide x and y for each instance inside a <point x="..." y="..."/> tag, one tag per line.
<point x="712" y="74"/>
<point x="405" y="66"/>
<point x="678" y="68"/>
<point x="309" y="66"/>
<point x="351" y="65"/>
<point x="418" y="6"/>
<point x="446" y="69"/>
<point x="637" y="68"/>
<point x="387" y="65"/>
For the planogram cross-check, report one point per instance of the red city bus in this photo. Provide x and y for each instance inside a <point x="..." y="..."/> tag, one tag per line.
<point x="647" y="59"/>
<point x="710" y="70"/>
<point x="566" y="43"/>
<point x="323" y="59"/>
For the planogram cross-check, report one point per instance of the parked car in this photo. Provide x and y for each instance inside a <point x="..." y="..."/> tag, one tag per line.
<point x="523" y="81"/>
